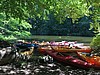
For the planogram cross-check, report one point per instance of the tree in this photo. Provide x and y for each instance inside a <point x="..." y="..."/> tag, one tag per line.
<point x="13" y="28"/>
<point x="60" y="8"/>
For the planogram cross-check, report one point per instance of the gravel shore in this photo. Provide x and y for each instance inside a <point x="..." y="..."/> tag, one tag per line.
<point x="46" y="68"/>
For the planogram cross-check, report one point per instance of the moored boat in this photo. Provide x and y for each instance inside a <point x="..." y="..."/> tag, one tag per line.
<point x="94" y="59"/>
<point x="68" y="49"/>
<point x="25" y="48"/>
<point x="42" y="49"/>
<point x="64" y="49"/>
<point x="69" y="60"/>
<point x="64" y="46"/>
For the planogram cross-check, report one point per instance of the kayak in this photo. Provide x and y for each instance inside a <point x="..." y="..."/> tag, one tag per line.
<point x="67" y="49"/>
<point x="28" y="51"/>
<point x="26" y="48"/>
<point x="69" y="60"/>
<point x="95" y="60"/>
<point x="42" y="49"/>
<point x="63" y="49"/>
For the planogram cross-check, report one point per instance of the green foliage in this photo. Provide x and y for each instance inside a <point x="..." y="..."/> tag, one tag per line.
<point x="61" y="9"/>
<point x="1" y="36"/>
<point x="95" y="44"/>
<point x="25" y="34"/>
<point x="96" y="40"/>
<point x="13" y="28"/>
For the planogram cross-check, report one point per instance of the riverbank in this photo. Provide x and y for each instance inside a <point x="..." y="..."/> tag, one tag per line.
<point x="40" y="68"/>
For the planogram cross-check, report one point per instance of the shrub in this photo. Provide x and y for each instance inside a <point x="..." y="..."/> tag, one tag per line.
<point x="95" y="44"/>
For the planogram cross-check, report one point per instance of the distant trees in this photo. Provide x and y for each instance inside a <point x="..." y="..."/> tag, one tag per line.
<point x="67" y="28"/>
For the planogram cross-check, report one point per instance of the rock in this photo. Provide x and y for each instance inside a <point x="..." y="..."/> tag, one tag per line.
<point x="12" y="72"/>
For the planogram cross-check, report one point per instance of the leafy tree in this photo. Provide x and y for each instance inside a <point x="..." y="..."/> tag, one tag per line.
<point x="61" y="8"/>
<point x="95" y="44"/>
<point x="13" y="28"/>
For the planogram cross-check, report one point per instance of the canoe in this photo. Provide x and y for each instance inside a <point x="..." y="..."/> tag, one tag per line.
<point x="67" y="49"/>
<point x="25" y="48"/>
<point x="27" y="51"/>
<point x="95" y="60"/>
<point x="24" y="45"/>
<point x="42" y="49"/>
<point x="69" y="60"/>
<point x="64" y="49"/>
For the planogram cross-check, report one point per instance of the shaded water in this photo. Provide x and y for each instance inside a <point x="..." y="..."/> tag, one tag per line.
<point x="85" y="40"/>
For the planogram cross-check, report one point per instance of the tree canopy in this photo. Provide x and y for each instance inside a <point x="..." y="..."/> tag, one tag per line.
<point x="60" y="8"/>
<point x="12" y="28"/>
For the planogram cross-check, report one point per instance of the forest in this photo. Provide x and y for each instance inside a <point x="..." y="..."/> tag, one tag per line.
<point x="67" y="28"/>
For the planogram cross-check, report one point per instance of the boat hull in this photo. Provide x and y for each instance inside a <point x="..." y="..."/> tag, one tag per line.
<point x="43" y="49"/>
<point x="69" y="60"/>
<point x="95" y="60"/>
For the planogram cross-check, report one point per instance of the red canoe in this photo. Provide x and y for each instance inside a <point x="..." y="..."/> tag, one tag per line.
<point x="95" y="60"/>
<point x="69" y="60"/>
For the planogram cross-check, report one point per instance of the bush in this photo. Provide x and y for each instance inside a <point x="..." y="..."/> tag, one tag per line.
<point x="95" y="44"/>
